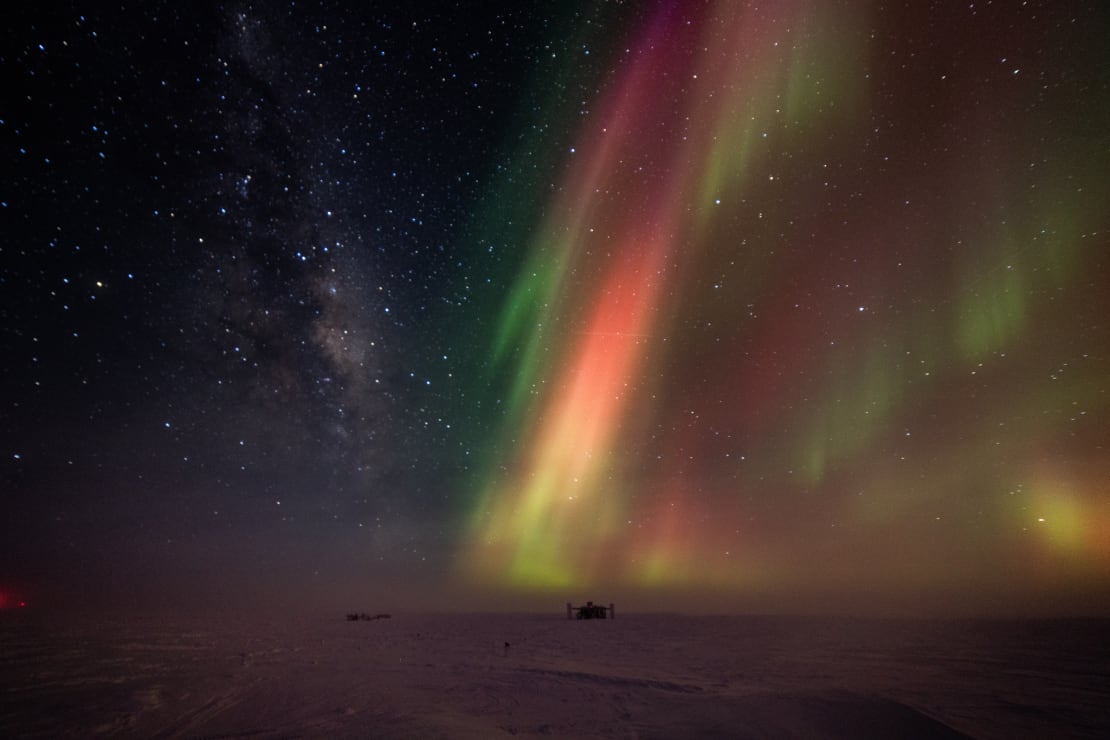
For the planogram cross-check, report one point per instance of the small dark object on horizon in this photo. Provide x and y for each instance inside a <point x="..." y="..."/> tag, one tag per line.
<point x="364" y="617"/>
<point x="591" y="611"/>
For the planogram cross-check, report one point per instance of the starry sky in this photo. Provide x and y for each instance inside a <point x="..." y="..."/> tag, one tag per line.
<point x="797" y="305"/>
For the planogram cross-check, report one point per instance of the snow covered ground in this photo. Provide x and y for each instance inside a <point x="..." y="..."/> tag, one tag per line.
<point x="483" y="676"/>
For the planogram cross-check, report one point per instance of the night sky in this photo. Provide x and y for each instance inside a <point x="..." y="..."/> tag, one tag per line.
<point x="730" y="306"/>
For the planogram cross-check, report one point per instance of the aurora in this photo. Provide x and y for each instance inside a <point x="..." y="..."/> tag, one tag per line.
<point x="805" y="307"/>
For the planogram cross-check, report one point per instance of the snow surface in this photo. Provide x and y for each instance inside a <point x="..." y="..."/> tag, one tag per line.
<point x="489" y="676"/>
